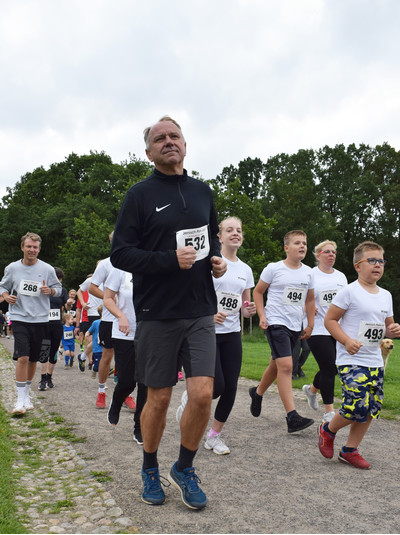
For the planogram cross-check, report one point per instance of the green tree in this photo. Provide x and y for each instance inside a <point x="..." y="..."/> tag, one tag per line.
<point x="53" y="202"/>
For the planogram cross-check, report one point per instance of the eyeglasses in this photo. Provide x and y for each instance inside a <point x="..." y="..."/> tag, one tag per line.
<point x="373" y="261"/>
<point x="327" y="252"/>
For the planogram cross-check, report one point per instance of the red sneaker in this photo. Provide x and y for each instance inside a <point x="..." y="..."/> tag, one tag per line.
<point x="325" y="442"/>
<point x="101" y="400"/>
<point x="129" y="403"/>
<point x="355" y="459"/>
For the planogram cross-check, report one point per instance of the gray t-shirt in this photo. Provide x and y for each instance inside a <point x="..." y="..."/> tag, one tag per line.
<point x="32" y="305"/>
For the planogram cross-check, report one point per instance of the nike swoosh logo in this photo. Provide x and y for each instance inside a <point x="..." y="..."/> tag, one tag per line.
<point x="162" y="207"/>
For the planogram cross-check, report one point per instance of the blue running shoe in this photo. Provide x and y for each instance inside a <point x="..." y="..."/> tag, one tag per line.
<point x="152" y="494"/>
<point x="186" y="483"/>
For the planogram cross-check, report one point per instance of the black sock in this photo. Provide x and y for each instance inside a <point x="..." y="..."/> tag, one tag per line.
<point x="185" y="458"/>
<point x="150" y="460"/>
<point x="44" y="375"/>
<point x="48" y="376"/>
<point x="347" y="450"/>
<point x="326" y="428"/>
<point x="291" y="414"/>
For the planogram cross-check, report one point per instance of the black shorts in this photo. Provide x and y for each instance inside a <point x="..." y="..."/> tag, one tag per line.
<point x="31" y="340"/>
<point x="281" y="340"/>
<point x="55" y="334"/>
<point x="92" y="319"/>
<point x="163" y="347"/>
<point x="84" y="327"/>
<point x="105" y="331"/>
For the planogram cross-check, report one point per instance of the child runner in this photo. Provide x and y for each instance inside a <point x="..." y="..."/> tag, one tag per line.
<point x="290" y="291"/>
<point x="68" y="340"/>
<point x="327" y="283"/>
<point x="359" y="317"/>
<point x="119" y="289"/>
<point x="233" y="295"/>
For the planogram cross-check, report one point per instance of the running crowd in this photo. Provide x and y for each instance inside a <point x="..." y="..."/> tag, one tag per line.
<point x="170" y="297"/>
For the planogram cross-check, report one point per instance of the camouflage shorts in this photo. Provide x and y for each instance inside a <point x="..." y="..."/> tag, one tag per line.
<point x="362" y="392"/>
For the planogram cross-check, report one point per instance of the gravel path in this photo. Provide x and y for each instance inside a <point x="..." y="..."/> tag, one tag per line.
<point x="272" y="482"/>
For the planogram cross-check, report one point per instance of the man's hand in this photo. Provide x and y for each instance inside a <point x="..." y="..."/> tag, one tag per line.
<point x="45" y="289"/>
<point x="11" y="299"/>
<point x="219" y="266"/>
<point x="186" y="256"/>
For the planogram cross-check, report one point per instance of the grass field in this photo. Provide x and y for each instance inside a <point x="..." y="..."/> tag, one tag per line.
<point x="256" y="355"/>
<point x="9" y="522"/>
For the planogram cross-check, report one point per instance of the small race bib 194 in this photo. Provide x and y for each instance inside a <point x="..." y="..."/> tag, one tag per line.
<point x="31" y="288"/>
<point x="371" y="333"/>
<point x="197" y="238"/>
<point x="54" y="314"/>
<point x="294" y="296"/>
<point x="228" y="302"/>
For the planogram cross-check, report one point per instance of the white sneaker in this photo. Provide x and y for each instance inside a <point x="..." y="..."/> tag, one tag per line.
<point x="216" y="444"/>
<point x="181" y="408"/>
<point x="311" y="398"/>
<point x="28" y="405"/>
<point x="19" y="408"/>
<point x="328" y="416"/>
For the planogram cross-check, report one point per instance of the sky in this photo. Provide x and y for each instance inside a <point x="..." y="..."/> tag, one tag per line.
<point x="244" y="78"/>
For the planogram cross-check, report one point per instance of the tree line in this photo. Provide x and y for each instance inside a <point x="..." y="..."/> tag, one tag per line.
<point x="346" y="194"/>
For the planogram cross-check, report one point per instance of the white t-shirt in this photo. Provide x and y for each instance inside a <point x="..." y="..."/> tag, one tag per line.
<point x="364" y="320"/>
<point x="229" y="289"/>
<point x="94" y="302"/>
<point x="121" y="282"/>
<point x="326" y="286"/>
<point x="287" y="294"/>
<point x="99" y="277"/>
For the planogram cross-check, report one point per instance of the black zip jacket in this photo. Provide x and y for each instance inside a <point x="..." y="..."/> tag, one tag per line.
<point x="144" y="244"/>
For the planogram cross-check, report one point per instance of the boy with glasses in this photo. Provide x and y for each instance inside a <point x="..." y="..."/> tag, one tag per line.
<point x="359" y="317"/>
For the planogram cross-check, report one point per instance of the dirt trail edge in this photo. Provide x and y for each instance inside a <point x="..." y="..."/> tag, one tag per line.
<point x="272" y="482"/>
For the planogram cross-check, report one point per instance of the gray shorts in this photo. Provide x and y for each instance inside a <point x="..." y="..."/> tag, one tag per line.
<point x="163" y="347"/>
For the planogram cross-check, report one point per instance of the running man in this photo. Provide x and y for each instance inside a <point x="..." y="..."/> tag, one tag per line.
<point x="166" y="235"/>
<point x="27" y="286"/>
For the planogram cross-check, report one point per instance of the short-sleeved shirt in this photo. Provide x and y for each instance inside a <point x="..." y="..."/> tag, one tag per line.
<point x="94" y="331"/>
<point x="287" y="294"/>
<point x="229" y="289"/>
<point x="326" y="287"/>
<point x="363" y="320"/>
<point x="84" y="312"/>
<point x="99" y="277"/>
<point x="121" y="282"/>
<point x="94" y="302"/>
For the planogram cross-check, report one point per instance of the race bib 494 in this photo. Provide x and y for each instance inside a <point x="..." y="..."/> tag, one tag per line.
<point x="294" y="296"/>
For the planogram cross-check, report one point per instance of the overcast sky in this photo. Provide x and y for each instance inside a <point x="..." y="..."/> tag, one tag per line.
<point x="243" y="77"/>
